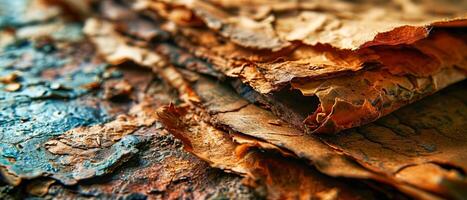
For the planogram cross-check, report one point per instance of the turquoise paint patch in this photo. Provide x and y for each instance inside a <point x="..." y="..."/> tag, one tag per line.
<point x="43" y="109"/>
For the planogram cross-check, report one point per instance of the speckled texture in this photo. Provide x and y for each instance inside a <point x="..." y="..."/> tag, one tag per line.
<point x="73" y="126"/>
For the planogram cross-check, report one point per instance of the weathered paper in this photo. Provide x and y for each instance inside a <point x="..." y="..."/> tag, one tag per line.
<point x="229" y="112"/>
<point x="395" y="68"/>
<point x="275" y="25"/>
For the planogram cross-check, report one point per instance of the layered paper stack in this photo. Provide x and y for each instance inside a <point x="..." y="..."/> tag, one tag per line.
<point x="302" y="99"/>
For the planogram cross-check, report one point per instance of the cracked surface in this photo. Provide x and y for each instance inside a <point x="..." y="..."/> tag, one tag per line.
<point x="47" y="103"/>
<point x="420" y="144"/>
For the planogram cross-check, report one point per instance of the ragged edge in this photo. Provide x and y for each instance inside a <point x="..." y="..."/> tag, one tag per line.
<point x="282" y="178"/>
<point x="319" y="155"/>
